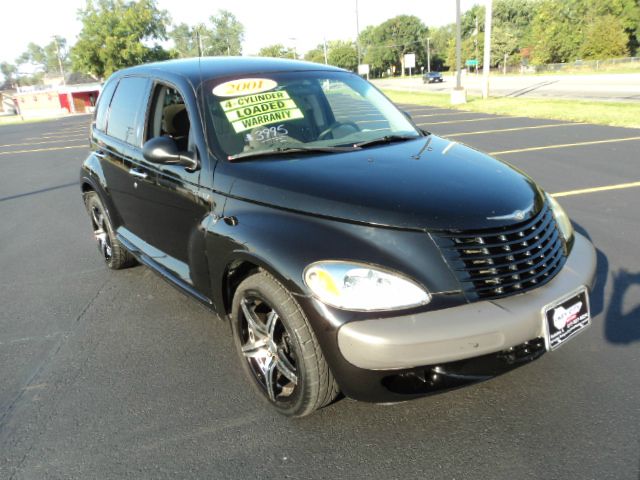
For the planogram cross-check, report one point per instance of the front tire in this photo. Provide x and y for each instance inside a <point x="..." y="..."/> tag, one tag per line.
<point x="112" y="251"/>
<point x="278" y="349"/>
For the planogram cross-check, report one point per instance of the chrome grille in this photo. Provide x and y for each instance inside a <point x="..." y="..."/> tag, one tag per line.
<point x="496" y="263"/>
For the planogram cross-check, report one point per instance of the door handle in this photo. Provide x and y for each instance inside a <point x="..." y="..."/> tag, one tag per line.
<point x="137" y="173"/>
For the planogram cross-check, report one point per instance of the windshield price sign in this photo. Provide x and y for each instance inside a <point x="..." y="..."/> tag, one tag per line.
<point x="251" y="111"/>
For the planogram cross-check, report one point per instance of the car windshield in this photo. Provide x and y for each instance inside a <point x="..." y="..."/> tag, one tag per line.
<point x="302" y="111"/>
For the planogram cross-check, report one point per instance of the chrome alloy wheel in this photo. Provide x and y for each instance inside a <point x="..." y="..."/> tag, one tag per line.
<point x="100" y="231"/>
<point x="267" y="347"/>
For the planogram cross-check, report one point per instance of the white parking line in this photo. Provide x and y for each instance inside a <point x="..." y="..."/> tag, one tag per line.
<point x="605" y="188"/>
<point x="86" y="147"/>
<point x="564" y="145"/>
<point x="444" y="114"/>
<point x="499" y="130"/>
<point x="464" y="121"/>
<point x="38" y="143"/>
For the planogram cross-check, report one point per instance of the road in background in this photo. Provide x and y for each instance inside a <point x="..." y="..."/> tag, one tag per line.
<point x="619" y="87"/>
<point x="118" y="375"/>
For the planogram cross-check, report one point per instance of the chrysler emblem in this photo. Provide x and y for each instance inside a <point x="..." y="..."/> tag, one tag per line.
<point x="517" y="215"/>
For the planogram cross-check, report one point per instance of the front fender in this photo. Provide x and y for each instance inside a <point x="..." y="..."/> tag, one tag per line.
<point x="284" y="243"/>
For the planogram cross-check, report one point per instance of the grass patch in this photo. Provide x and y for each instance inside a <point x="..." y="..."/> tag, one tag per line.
<point x="617" y="114"/>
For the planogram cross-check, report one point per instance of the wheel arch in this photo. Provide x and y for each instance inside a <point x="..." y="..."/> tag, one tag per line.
<point x="242" y="266"/>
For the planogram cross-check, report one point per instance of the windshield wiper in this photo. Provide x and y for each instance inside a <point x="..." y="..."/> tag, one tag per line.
<point x="386" y="139"/>
<point x="424" y="147"/>
<point x="286" y="150"/>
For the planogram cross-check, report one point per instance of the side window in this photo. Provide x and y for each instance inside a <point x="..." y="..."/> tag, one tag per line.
<point x="127" y="110"/>
<point x="169" y="116"/>
<point x="104" y="100"/>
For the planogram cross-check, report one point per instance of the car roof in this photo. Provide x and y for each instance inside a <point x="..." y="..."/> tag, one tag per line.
<point x="210" y="67"/>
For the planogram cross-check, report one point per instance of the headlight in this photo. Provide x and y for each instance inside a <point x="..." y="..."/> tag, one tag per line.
<point x="355" y="286"/>
<point x="562" y="219"/>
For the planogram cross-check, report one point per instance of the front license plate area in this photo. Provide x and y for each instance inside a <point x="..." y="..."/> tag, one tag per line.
<point x="566" y="318"/>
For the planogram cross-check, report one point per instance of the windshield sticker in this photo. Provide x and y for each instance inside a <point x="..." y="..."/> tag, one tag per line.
<point x="244" y="86"/>
<point x="268" y="135"/>
<point x="251" y="111"/>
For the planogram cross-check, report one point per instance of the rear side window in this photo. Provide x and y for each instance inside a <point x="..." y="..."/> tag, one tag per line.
<point x="103" y="105"/>
<point x="126" y="110"/>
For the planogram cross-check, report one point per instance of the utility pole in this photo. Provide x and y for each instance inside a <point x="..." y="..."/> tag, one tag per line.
<point x="486" y="63"/>
<point x="458" y="94"/>
<point x="324" y="45"/>
<point x="293" y="50"/>
<point x="198" y="43"/>
<point x="55" y="39"/>
<point x="69" y="95"/>
<point x="477" y="32"/>
<point x="428" y="55"/>
<point x="458" y="48"/>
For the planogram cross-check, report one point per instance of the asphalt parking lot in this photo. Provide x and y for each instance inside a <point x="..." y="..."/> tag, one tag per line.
<point x="118" y="375"/>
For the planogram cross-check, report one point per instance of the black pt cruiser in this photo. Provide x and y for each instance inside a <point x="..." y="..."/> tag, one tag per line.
<point x="349" y="250"/>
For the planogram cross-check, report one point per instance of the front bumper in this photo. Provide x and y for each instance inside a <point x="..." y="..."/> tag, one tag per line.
<point x="463" y="332"/>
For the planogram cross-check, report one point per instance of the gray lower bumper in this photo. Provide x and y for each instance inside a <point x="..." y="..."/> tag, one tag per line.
<point x="466" y="331"/>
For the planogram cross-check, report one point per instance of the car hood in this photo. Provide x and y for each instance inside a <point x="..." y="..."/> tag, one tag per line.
<point x="448" y="186"/>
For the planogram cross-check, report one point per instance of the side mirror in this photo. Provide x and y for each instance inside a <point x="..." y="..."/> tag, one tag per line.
<point x="164" y="150"/>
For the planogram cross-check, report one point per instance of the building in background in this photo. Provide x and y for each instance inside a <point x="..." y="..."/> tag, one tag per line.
<point x="58" y="96"/>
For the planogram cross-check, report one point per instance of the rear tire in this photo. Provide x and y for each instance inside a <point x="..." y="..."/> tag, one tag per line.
<point x="278" y="349"/>
<point x="113" y="253"/>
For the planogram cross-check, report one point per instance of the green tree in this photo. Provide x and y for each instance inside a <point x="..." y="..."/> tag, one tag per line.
<point x="403" y="34"/>
<point x="116" y="34"/>
<point x="185" y="40"/>
<point x="315" y="55"/>
<point x="511" y="32"/>
<point x="49" y="58"/>
<point x="467" y="49"/>
<point x="373" y="51"/>
<point x="546" y="31"/>
<point x="229" y="33"/>
<point x="472" y="17"/>
<point x="627" y="12"/>
<point x="343" y="54"/>
<point x="385" y="45"/>
<point x="277" y="51"/>
<point x="605" y="38"/>
<point x="439" y="46"/>
<point x="9" y="72"/>
<point x="34" y="54"/>
<point x="557" y="31"/>
<point x="516" y="17"/>
<point x="223" y="35"/>
<point x="564" y="30"/>
<point x="504" y="43"/>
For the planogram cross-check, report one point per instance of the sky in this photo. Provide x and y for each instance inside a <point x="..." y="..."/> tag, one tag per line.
<point x="294" y="23"/>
